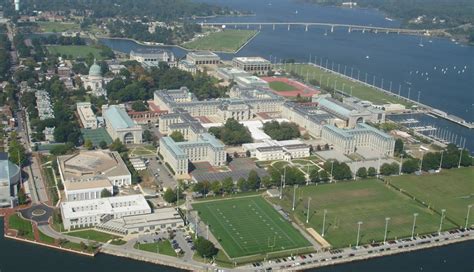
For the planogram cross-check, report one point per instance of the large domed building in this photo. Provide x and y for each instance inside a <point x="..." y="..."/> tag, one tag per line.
<point x="94" y="80"/>
<point x="9" y="180"/>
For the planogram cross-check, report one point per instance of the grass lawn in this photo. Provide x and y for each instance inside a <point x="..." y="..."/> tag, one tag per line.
<point x="452" y="190"/>
<point x="358" y="90"/>
<point x="93" y="235"/>
<point x="281" y="86"/>
<point x="46" y="239"/>
<point x="118" y="242"/>
<point x="369" y="201"/>
<point x="57" y="26"/>
<point x="96" y="135"/>
<point x="280" y="164"/>
<point x="52" y="189"/>
<point x="162" y="247"/>
<point x="302" y="162"/>
<point x="249" y="226"/>
<point x="20" y="224"/>
<point x="147" y="150"/>
<point x="229" y="40"/>
<point x="76" y="51"/>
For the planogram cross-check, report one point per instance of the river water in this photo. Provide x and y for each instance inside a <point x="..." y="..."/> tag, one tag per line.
<point x="440" y="73"/>
<point x="17" y="257"/>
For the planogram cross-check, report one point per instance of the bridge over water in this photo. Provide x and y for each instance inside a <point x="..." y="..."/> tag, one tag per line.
<point x="332" y="26"/>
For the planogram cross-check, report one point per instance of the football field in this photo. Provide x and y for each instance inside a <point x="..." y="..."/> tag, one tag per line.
<point x="249" y="226"/>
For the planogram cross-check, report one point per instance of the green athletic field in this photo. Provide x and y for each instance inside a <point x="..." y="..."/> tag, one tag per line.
<point x="328" y="79"/>
<point x="368" y="201"/>
<point x="281" y="86"/>
<point x="229" y="40"/>
<point x="452" y="190"/>
<point x="249" y="226"/>
<point x="76" y="51"/>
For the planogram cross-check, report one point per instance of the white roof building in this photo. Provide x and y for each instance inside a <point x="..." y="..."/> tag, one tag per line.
<point x="89" y="213"/>
<point x="86" y="174"/>
<point x="86" y="115"/>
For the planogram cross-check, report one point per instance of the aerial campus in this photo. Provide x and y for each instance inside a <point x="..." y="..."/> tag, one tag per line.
<point x="204" y="162"/>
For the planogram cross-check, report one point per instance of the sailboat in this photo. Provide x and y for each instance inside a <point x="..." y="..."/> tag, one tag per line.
<point x="326" y="33"/>
<point x="421" y="42"/>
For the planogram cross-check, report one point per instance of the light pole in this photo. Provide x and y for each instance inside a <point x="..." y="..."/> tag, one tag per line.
<point x="401" y="164"/>
<point x="294" y="196"/>
<point x="307" y="213"/>
<point x="358" y="232"/>
<point x="324" y="221"/>
<point x="414" y="224"/>
<point x="441" y="161"/>
<point x="332" y="168"/>
<point x="386" y="228"/>
<point x="467" y="216"/>
<point x="421" y="163"/>
<point x="443" y="212"/>
<point x="460" y="157"/>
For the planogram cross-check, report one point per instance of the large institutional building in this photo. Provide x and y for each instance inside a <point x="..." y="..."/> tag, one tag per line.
<point x="205" y="148"/>
<point x="92" y="212"/>
<point x="152" y="57"/>
<point x="86" y="115"/>
<point x="362" y="136"/>
<point x="203" y="58"/>
<point x="242" y="104"/>
<point x="120" y="126"/>
<point x="252" y="65"/>
<point x="95" y="81"/>
<point x="9" y="180"/>
<point x="86" y="174"/>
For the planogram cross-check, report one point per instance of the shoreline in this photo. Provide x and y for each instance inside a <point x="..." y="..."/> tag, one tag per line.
<point x="105" y="249"/>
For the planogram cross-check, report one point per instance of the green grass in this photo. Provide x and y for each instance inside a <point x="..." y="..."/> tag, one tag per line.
<point x="96" y="136"/>
<point x="118" y="242"/>
<point x="57" y="26"/>
<point x="146" y="150"/>
<point x="358" y="90"/>
<point x="249" y="226"/>
<point x="280" y="164"/>
<point x="20" y="224"/>
<point x="46" y="239"/>
<point x="93" y="235"/>
<point x="76" y="51"/>
<point x="368" y="201"/>
<point x="281" y="86"/>
<point x="52" y="189"/>
<point x="452" y="190"/>
<point x="163" y="247"/>
<point x="229" y="40"/>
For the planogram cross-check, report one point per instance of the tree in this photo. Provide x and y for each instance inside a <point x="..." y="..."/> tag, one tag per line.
<point x="340" y="171"/>
<point x="22" y="198"/>
<point x="388" y="169"/>
<point x="267" y="182"/>
<point x="253" y="180"/>
<point x="398" y="146"/>
<point x="228" y="185"/>
<point x="242" y="185"/>
<point x="88" y="144"/>
<point x="202" y="187"/>
<point x="118" y="146"/>
<point x="410" y="165"/>
<point x="148" y="136"/>
<point x="139" y="106"/>
<point x="177" y="136"/>
<point x="232" y="133"/>
<point x="103" y="144"/>
<point x="170" y="196"/>
<point x="371" y="172"/>
<point x="324" y="176"/>
<point x="314" y="176"/>
<point x="16" y="151"/>
<point x="105" y="193"/>
<point x="281" y="131"/>
<point x="362" y="172"/>
<point x="216" y="187"/>
<point x="205" y="248"/>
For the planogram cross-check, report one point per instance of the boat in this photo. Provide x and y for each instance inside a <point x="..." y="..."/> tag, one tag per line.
<point x="389" y="19"/>
<point x="367" y="57"/>
<point x="421" y="42"/>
